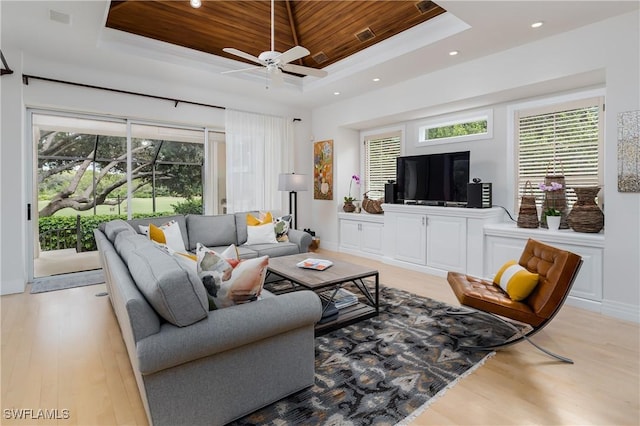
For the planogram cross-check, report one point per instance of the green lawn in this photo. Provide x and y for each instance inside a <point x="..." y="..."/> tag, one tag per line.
<point x="140" y="205"/>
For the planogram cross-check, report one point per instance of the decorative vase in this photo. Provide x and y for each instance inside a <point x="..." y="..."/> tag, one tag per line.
<point x="553" y="222"/>
<point x="348" y="207"/>
<point x="586" y="216"/>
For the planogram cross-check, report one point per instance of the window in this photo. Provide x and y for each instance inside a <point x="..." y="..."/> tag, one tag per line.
<point x="458" y="128"/>
<point x="380" y="156"/>
<point x="561" y="139"/>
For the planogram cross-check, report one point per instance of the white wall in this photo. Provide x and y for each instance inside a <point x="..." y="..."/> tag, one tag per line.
<point x="605" y="54"/>
<point x="15" y="145"/>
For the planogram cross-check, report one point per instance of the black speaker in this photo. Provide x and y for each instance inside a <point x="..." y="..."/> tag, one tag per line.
<point x="479" y="195"/>
<point x="390" y="192"/>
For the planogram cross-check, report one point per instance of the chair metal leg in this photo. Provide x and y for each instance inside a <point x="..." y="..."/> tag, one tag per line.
<point x="520" y="335"/>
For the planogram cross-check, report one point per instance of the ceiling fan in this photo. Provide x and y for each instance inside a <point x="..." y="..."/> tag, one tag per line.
<point x="276" y="62"/>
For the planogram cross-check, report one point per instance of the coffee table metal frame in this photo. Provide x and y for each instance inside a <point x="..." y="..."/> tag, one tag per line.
<point x="332" y="278"/>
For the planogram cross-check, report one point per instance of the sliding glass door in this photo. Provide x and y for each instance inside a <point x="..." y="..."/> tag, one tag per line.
<point x="89" y="170"/>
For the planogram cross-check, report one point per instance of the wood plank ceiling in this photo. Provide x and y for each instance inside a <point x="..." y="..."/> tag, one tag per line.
<point x="331" y="29"/>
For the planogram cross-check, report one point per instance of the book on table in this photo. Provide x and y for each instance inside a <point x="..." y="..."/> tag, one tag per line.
<point x="342" y="299"/>
<point x="317" y="264"/>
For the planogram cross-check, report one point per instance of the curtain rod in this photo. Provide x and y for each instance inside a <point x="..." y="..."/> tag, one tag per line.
<point x="25" y="81"/>
<point x="5" y="67"/>
<point x="26" y="77"/>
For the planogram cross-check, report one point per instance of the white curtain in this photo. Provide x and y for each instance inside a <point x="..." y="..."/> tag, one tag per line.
<point x="259" y="148"/>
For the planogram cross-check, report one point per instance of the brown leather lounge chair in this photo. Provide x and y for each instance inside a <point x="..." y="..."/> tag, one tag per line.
<point x="557" y="270"/>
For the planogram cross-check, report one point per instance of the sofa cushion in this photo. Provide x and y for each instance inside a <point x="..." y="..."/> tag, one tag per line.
<point x="126" y="242"/>
<point x="174" y="291"/>
<point x="274" y="250"/>
<point x="211" y="231"/>
<point x="245" y="252"/>
<point x="114" y="227"/>
<point x="241" y="225"/>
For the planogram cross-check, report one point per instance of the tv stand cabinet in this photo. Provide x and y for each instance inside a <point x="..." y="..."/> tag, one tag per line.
<point x="437" y="239"/>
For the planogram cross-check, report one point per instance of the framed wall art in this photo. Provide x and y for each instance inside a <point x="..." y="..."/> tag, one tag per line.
<point x="629" y="151"/>
<point x="323" y="170"/>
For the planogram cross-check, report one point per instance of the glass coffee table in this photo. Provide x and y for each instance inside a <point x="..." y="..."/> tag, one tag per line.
<point x="326" y="283"/>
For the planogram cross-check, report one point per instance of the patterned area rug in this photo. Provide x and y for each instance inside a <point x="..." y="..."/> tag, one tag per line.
<point x="386" y="369"/>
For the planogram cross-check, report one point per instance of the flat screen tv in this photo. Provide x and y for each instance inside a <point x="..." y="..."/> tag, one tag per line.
<point x="434" y="179"/>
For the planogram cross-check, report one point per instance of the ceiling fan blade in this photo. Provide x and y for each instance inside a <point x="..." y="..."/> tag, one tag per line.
<point x="292" y="54"/>
<point x="297" y="69"/>
<point x="244" y="55"/>
<point x="241" y="70"/>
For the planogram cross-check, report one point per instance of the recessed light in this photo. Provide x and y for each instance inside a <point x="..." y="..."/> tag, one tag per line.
<point x="336" y="93"/>
<point x="453" y="53"/>
<point x="376" y="79"/>
<point x="537" y="24"/>
<point x="196" y="3"/>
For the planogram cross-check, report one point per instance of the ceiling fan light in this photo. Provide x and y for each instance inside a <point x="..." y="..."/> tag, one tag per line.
<point x="195" y="3"/>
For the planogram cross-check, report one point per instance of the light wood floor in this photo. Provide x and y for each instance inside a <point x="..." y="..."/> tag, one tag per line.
<point x="63" y="350"/>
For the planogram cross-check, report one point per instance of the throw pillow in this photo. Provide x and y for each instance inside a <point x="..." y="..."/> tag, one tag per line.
<point x="264" y="218"/>
<point x="516" y="280"/>
<point x="214" y="268"/>
<point x="282" y="226"/>
<point x="168" y="234"/>
<point x="260" y="230"/>
<point x="246" y="283"/>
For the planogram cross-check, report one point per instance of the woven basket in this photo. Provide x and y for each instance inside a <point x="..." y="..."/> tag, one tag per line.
<point x="555" y="199"/>
<point x="586" y="216"/>
<point x="372" y="206"/>
<point x="528" y="214"/>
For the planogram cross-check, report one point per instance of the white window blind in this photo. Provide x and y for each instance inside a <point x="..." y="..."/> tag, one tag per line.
<point x="563" y="139"/>
<point x="380" y="163"/>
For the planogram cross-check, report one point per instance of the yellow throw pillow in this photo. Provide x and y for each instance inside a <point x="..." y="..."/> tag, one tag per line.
<point x="168" y="234"/>
<point x="262" y="220"/>
<point x="496" y="279"/>
<point x="516" y="280"/>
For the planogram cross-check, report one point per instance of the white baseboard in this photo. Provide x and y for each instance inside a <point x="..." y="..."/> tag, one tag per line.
<point x="361" y="254"/>
<point x="329" y="245"/>
<point x="12" y="287"/>
<point x="623" y="311"/>
<point x="414" y="267"/>
<point x="588" y="305"/>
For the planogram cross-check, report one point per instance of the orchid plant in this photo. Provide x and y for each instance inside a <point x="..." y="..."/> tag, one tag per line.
<point x="356" y="179"/>
<point x="552" y="187"/>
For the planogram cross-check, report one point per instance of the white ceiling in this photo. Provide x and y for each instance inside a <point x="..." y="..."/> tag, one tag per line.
<point x="474" y="28"/>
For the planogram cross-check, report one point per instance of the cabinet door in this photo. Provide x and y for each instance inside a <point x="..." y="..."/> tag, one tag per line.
<point x="350" y="234"/>
<point x="411" y="238"/>
<point x="447" y="243"/>
<point x="371" y="237"/>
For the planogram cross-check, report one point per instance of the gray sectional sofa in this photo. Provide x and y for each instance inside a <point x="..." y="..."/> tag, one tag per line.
<point x="200" y="367"/>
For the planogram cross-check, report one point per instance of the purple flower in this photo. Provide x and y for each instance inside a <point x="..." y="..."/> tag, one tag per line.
<point x="554" y="186"/>
<point x="355" y="178"/>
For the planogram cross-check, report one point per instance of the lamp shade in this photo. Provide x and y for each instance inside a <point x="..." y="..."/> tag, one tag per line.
<point x="292" y="182"/>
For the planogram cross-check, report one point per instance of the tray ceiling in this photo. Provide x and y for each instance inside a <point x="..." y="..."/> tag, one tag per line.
<point x="331" y="30"/>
